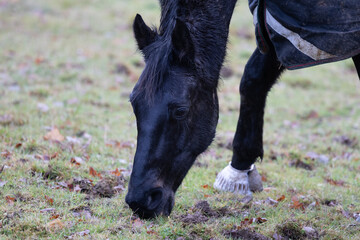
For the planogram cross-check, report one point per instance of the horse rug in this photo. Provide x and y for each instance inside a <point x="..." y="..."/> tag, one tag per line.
<point x="307" y="32"/>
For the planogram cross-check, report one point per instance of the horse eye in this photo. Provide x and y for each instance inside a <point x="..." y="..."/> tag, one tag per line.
<point x="180" y="113"/>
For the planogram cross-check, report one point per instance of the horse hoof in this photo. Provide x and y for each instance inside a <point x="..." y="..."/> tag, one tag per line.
<point x="255" y="183"/>
<point x="233" y="180"/>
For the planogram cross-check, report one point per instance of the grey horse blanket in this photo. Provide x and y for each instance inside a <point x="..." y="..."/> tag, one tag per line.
<point x="307" y="32"/>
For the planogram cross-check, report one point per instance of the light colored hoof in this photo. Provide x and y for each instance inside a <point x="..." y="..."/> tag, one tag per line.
<point x="255" y="182"/>
<point x="233" y="180"/>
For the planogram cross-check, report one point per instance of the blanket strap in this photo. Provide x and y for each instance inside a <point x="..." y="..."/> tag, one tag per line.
<point x="356" y="60"/>
<point x="261" y="21"/>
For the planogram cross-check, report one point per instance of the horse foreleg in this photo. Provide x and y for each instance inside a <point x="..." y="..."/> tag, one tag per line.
<point x="240" y="176"/>
<point x="356" y="60"/>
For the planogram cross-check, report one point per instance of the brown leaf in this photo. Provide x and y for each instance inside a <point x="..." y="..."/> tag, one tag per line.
<point x="39" y="60"/>
<point x="6" y="154"/>
<point x="49" y="200"/>
<point x="281" y="198"/>
<point x="10" y="200"/>
<point x="311" y="115"/>
<point x="152" y="232"/>
<point x="76" y="161"/>
<point x="263" y="177"/>
<point x="54" y="135"/>
<point x="137" y="223"/>
<point x="120" y="145"/>
<point x="93" y="173"/>
<point x="18" y="145"/>
<point x="296" y="204"/>
<point x="116" y="172"/>
<point x="335" y="182"/>
<point x="54" y="155"/>
<point x="206" y="186"/>
<point x="55" y="225"/>
<point x="260" y="220"/>
<point x="55" y="216"/>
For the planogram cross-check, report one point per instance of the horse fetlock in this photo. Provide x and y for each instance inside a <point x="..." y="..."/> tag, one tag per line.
<point x="242" y="182"/>
<point x="255" y="183"/>
<point x="233" y="180"/>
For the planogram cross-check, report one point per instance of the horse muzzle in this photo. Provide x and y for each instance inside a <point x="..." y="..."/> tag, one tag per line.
<point x="150" y="203"/>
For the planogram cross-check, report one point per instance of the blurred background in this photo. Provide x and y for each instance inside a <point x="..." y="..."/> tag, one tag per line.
<point x="66" y="71"/>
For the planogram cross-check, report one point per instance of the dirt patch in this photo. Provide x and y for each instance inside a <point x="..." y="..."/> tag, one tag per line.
<point x="245" y="233"/>
<point x="330" y="202"/>
<point x="347" y="141"/>
<point x="204" y="208"/>
<point x="52" y="173"/>
<point x="107" y="187"/>
<point x="82" y="211"/>
<point x="84" y="185"/>
<point x="300" y="164"/>
<point x="201" y="213"/>
<point x="195" y="218"/>
<point x="291" y="230"/>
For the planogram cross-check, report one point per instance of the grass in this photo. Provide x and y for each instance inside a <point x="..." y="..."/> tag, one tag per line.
<point x="71" y="65"/>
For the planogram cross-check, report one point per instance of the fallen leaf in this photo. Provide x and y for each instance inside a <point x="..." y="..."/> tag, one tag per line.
<point x="268" y="189"/>
<point x="311" y="115"/>
<point x="152" y="232"/>
<point x="54" y="135"/>
<point x="18" y="145"/>
<point x="49" y="200"/>
<point x="47" y="210"/>
<point x="206" y="186"/>
<point x="335" y="182"/>
<point x="263" y="177"/>
<point x="80" y="234"/>
<point x="296" y="204"/>
<point x="271" y="201"/>
<point x="10" y="200"/>
<point x="120" y="145"/>
<point x="6" y="154"/>
<point x="93" y="173"/>
<point x="39" y="60"/>
<point x="76" y="161"/>
<point x="55" y="224"/>
<point x="137" y="223"/>
<point x="321" y="158"/>
<point x="54" y="155"/>
<point x="260" y="220"/>
<point x="281" y="198"/>
<point x="55" y="216"/>
<point x="116" y="172"/>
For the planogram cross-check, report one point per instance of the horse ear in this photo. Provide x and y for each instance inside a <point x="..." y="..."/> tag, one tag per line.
<point x="143" y="34"/>
<point x="182" y="42"/>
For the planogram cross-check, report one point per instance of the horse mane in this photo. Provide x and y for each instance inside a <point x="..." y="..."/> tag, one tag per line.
<point x="208" y="24"/>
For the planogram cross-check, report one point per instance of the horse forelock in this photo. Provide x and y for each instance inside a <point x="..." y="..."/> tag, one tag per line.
<point x="158" y="54"/>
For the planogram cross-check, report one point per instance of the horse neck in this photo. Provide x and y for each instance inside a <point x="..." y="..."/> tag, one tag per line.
<point x="208" y="22"/>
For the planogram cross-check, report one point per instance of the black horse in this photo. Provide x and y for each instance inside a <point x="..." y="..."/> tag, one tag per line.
<point x="176" y="105"/>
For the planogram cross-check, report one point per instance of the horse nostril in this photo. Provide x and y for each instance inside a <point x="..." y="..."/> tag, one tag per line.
<point x="154" y="198"/>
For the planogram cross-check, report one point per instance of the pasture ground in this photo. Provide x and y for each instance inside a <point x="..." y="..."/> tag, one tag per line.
<point x="68" y="135"/>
